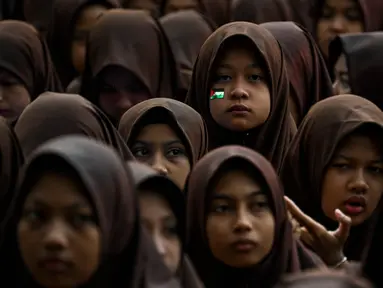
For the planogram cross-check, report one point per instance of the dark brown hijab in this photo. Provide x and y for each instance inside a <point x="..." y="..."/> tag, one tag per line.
<point x="364" y="60"/>
<point x="319" y="279"/>
<point x="312" y="149"/>
<point x="60" y="34"/>
<point x="53" y="115"/>
<point x="217" y="10"/>
<point x="128" y="256"/>
<point x="11" y="158"/>
<point x="148" y="179"/>
<point x="271" y="138"/>
<point x="25" y="55"/>
<point x="287" y="255"/>
<point x="261" y="11"/>
<point x="187" y="31"/>
<point x="115" y="41"/>
<point x="307" y="70"/>
<point x="185" y="120"/>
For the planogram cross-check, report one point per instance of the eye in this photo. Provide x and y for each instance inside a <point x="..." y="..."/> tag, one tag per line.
<point x="105" y="88"/>
<point x="140" y="152"/>
<point x="80" y="220"/>
<point x="327" y="13"/>
<point x="174" y="152"/>
<point x="221" y="208"/>
<point x="375" y="169"/>
<point x="353" y="15"/>
<point x="222" y="78"/>
<point x="342" y="166"/>
<point x="255" y="78"/>
<point x="259" y="205"/>
<point x="33" y="215"/>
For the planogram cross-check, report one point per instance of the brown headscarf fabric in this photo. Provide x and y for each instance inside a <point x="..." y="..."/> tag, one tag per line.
<point x="185" y="119"/>
<point x="261" y="11"/>
<point x="217" y="10"/>
<point x="148" y="179"/>
<point x="52" y="115"/>
<point x="271" y="138"/>
<point x="320" y="279"/>
<point x="25" y="55"/>
<point x="11" y="158"/>
<point x="128" y="256"/>
<point x="312" y="149"/>
<point x="115" y="41"/>
<point x="187" y="31"/>
<point x="35" y="15"/>
<point x="365" y="63"/>
<point x="307" y="70"/>
<point x="287" y="255"/>
<point x="60" y="34"/>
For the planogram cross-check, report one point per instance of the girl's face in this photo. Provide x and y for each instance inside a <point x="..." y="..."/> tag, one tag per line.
<point x="240" y="224"/>
<point x="246" y="101"/>
<point x="14" y="97"/>
<point x="338" y="17"/>
<point x="158" y="146"/>
<point x="86" y="19"/>
<point x="341" y="84"/>
<point x="120" y="90"/>
<point x="159" y="220"/>
<point x="58" y="236"/>
<point x="177" y="5"/>
<point x="353" y="181"/>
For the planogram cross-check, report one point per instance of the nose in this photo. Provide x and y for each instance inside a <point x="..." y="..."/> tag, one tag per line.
<point x="159" y="164"/>
<point x="243" y="221"/>
<point x="55" y="237"/>
<point x="239" y="93"/>
<point x="359" y="184"/>
<point x="338" y="25"/>
<point x="158" y="241"/>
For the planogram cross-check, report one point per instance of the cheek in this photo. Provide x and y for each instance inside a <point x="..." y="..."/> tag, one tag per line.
<point x="355" y="27"/>
<point x="174" y="249"/>
<point x="217" y="231"/>
<point x="266" y="231"/>
<point x="28" y="242"/>
<point x="181" y="172"/>
<point x="78" y="56"/>
<point x="333" y="192"/>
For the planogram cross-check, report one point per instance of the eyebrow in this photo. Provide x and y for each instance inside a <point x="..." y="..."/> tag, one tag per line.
<point x="228" y="66"/>
<point x="378" y="161"/>
<point x="140" y="142"/>
<point x="78" y="205"/>
<point x="220" y="196"/>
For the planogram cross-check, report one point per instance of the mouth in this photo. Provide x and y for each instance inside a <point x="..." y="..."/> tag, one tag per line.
<point x="54" y="265"/>
<point x="239" y="108"/>
<point x="244" y="246"/>
<point x="355" y="205"/>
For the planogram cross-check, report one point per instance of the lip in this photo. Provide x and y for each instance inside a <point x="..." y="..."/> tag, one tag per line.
<point x="54" y="265"/>
<point x="355" y="205"/>
<point x="239" y="108"/>
<point x="243" y="245"/>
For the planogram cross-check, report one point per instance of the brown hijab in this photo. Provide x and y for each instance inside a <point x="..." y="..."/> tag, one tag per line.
<point x="128" y="256"/>
<point x="53" y="115"/>
<point x="25" y="55"/>
<point x="312" y="149"/>
<point x="320" y="279"/>
<point x="187" y="31"/>
<point x="11" y="158"/>
<point x="150" y="180"/>
<point x="60" y="33"/>
<point x="287" y="255"/>
<point x="364" y="62"/>
<point x="308" y="75"/>
<point x="261" y="11"/>
<point x="114" y="41"/>
<point x="184" y="120"/>
<point x="217" y="10"/>
<point x="271" y="138"/>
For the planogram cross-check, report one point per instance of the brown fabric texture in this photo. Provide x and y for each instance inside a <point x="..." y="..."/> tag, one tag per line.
<point x="187" y="31"/>
<point x="365" y="63"/>
<point x="150" y="180"/>
<point x="321" y="279"/>
<point x="25" y="55"/>
<point x="217" y="10"/>
<point x="114" y="41"/>
<point x="60" y="33"/>
<point x="312" y="149"/>
<point x="271" y="138"/>
<point x="307" y="70"/>
<point x="129" y="258"/>
<point x="11" y="158"/>
<point x="287" y="255"/>
<point x="53" y="115"/>
<point x="187" y="121"/>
